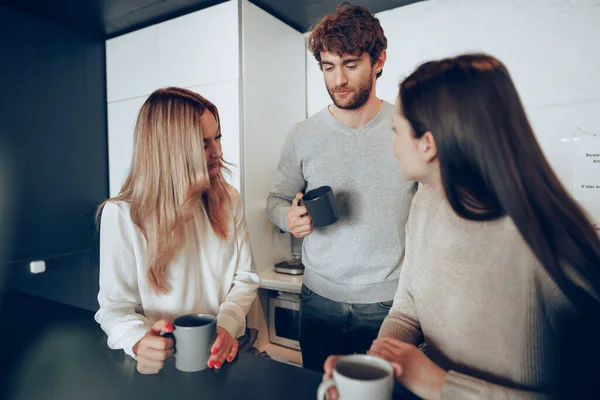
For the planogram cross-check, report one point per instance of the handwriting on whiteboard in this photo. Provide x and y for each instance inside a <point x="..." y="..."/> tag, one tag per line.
<point x="586" y="174"/>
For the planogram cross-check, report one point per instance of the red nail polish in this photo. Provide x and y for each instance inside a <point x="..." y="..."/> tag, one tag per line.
<point x="230" y="359"/>
<point x="169" y="327"/>
<point x="215" y="351"/>
<point x="211" y="363"/>
<point x="218" y="365"/>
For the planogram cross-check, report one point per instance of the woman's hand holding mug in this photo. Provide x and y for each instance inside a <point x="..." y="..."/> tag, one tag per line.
<point x="153" y="349"/>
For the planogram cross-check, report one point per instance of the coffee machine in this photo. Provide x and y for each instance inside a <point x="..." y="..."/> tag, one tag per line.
<point x="292" y="266"/>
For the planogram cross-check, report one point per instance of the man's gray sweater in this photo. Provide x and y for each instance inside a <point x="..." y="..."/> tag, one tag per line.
<point x="357" y="259"/>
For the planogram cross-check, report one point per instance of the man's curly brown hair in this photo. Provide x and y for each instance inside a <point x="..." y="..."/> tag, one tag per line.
<point x="349" y="30"/>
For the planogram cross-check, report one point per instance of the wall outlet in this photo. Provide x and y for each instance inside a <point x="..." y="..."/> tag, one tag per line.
<point x="37" y="267"/>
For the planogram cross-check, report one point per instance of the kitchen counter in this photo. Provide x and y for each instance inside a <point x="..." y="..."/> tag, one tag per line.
<point x="56" y="351"/>
<point x="276" y="281"/>
<point x="248" y="377"/>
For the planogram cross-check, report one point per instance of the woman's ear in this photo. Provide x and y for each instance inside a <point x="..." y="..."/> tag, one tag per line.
<point x="428" y="147"/>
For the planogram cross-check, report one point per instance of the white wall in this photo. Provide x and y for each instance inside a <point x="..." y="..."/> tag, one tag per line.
<point x="551" y="47"/>
<point x="274" y="98"/>
<point x="198" y="51"/>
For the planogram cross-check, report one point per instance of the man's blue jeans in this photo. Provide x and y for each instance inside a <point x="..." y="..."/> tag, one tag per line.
<point x="328" y="327"/>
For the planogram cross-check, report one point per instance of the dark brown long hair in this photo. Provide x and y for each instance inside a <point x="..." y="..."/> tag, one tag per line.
<point x="349" y="30"/>
<point x="492" y="165"/>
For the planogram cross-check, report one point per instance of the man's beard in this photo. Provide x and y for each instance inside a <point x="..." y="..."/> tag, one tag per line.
<point x="356" y="101"/>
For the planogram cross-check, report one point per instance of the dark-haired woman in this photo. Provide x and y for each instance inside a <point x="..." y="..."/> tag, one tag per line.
<point x="500" y="260"/>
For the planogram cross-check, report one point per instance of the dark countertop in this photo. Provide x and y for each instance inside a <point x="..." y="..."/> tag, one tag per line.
<point x="248" y="377"/>
<point x="52" y="350"/>
<point x="56" y="351"/>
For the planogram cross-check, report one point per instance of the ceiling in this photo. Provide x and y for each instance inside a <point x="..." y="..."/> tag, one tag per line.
<point x="302" y="14"/>
<point x="110" y="18"/>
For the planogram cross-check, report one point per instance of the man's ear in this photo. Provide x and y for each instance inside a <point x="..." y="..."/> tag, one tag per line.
<point x="380" y="62"/>
<point x="428" y="147"/>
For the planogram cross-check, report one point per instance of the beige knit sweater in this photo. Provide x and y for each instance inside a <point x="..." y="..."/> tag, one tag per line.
<point x="488" y="311"/>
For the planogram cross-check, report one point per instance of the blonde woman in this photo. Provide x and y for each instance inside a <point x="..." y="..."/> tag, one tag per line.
<point x="174" y="241"/>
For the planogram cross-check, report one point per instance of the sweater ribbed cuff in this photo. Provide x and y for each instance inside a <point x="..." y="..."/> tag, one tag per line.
<point x="133" y="336"/>
<point x="398" y="331"/>
<point x="229" y="323"/>
<point x="460" y="387"/>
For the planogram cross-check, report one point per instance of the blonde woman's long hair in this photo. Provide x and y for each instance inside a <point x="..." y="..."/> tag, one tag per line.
<point x="168" y="183"/>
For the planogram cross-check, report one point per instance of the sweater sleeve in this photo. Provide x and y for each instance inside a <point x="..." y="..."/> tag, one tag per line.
<point x="288" y="182"/>
<point x="465" y="387"/>
<point x="233" y="311"/>
<point x="402" y="321"/>
<point x="119" y="297"/>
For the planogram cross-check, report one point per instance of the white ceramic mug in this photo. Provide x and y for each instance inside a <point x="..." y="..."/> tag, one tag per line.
<point x="359" y="377"/>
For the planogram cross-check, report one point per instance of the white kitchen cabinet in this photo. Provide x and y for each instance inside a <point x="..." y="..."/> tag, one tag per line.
<point x="132" y="64"/>
<point x="199" y="48"/>
<point x="244" y="60"/>
<point x="121" y="122"/>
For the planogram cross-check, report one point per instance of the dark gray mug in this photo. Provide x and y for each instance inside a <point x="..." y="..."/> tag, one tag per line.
<point x="320" y="204"/>
<point x="194" y="335"/>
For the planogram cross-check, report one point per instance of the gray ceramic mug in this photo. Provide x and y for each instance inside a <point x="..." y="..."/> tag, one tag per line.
<point x="194" y="335"/>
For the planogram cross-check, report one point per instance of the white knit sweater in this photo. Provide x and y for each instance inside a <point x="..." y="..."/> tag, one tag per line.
<point x="208" y="275"/>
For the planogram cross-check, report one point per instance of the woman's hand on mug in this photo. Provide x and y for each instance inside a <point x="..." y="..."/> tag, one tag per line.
<point x="412" y="368"/>
<point x="225" y="347"/>
<point x="152" y="350"/>
<point x="299" y="221"/>
<point x="332" y="393"/>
